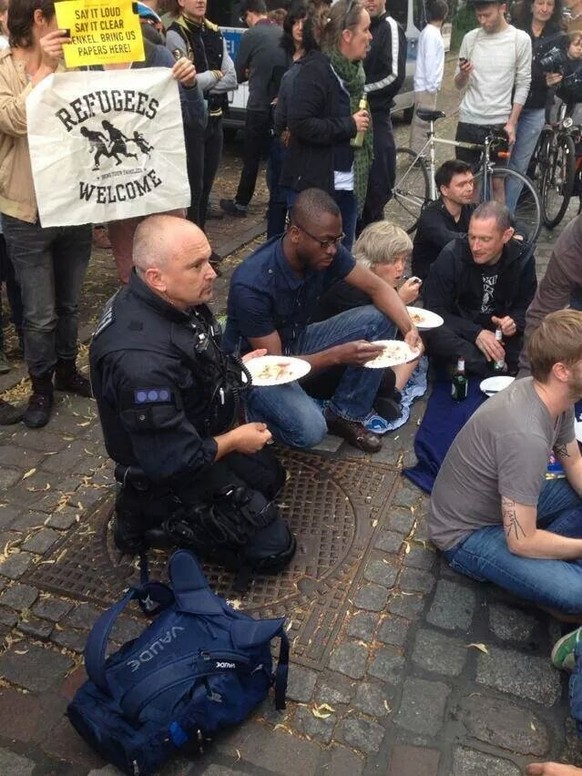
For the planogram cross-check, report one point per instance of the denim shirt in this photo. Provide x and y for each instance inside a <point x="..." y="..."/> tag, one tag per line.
<point x="266" y="296"/>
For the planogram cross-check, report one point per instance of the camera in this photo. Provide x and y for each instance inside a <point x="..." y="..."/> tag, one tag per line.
<point x="553" y="61"/>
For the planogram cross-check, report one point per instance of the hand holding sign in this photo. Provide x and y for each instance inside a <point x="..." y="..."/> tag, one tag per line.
<point x="51" y="46"/>
<point x="184" y="72"/>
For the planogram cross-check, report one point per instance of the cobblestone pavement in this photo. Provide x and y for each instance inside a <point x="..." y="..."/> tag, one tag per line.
<point x="399" y="666"/>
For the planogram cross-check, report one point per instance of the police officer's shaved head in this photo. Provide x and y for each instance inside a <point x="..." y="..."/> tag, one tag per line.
<point x="311" y="205"/>
<point x="158" y="238"/>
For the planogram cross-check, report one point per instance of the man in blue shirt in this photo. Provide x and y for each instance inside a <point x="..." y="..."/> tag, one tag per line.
<point x="271" y="300"/>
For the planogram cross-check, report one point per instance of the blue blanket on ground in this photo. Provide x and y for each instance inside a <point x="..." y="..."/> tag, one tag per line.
<point x="443" y="419"/>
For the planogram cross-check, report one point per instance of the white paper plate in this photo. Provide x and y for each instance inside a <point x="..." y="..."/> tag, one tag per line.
<point x="276" y="370"/>
<point x="395" y="352"/>
<point x="493" y="385"/>
<point x="578" y="430"/>
<point x="424" y="319"/>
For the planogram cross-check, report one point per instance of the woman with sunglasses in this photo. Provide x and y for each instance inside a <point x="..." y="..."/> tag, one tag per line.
<point x="324" y="115"/>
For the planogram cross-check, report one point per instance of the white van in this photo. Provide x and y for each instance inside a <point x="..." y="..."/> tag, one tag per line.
<point x="410" y="14"/>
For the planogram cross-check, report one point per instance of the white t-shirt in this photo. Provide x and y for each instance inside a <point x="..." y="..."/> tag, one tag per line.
<point x="430" y="60"/>
<point x="502" y="68"/>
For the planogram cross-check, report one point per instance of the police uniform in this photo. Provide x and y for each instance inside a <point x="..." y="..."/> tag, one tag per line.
<point x="164" y="388"/>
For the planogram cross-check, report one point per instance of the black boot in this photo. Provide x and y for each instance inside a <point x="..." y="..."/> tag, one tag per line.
<point x="39" y="407"/>
<point x="68" y="379"/>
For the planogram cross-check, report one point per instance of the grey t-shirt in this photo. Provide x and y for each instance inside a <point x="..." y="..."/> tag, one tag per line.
<point x="502" y="450"/>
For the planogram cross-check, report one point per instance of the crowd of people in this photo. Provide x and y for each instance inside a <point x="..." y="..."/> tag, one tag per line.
<point x="189" y="433"/>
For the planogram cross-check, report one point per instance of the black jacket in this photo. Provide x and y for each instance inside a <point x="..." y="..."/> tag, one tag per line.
<point x="436" y="228"/>
<point x="385" y="63"/>
<point x="539" y="91"/>
<point x="163" y="385"/>
<point x="316" y="125"/>
<point x="454" y="287"/>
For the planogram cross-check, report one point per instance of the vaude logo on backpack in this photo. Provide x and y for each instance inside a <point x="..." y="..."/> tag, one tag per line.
<point x="199" y="667"/>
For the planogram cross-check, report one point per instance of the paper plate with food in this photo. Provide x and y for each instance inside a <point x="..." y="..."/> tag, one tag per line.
<point x="424" y="319"/>
<point x="276" y="370"/>
<point x="394" y="352"/>
<point x="492" y="385"/>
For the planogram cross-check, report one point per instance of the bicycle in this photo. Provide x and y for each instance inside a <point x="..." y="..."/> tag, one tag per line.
<point x="554" y="166"/>
<point x="415" y="185"/>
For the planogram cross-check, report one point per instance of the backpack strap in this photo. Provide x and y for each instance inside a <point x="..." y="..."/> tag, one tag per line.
<point x="151" y="593"/>
<point x="190" y="586"/>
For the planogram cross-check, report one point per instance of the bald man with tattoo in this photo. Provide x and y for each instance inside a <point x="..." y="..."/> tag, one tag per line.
<point x="493" y="512"/>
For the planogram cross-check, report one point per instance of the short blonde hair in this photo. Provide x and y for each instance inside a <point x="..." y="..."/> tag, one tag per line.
<point x="381" y="243"/>
<point x="558" y="339"/>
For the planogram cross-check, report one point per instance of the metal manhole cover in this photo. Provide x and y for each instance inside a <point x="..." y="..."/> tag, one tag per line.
<point x="331" y="506"/>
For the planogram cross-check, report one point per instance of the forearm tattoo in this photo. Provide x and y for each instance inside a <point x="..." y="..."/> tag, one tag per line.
<point x="510" y="522"/>
<point x="561" y="451"/>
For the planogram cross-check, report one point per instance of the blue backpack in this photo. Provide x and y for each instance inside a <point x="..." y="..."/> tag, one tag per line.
<point x="198" y="667"/>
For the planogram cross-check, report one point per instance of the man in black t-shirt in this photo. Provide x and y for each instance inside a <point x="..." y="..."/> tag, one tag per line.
<point x="447" y="218"/>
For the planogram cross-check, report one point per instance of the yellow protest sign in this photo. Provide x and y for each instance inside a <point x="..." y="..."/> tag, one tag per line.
<point x="102" y="31"/>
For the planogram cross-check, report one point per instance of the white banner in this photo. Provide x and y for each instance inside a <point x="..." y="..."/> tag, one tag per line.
<point x="107" y="145"/>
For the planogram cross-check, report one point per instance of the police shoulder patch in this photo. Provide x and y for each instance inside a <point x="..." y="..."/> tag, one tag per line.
<point x="154" y="395"/>
<point x="107" y="317"/>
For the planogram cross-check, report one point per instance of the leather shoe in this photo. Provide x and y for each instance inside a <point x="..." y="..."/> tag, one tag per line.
<point x="9" y="414"/>
<point x="353" y="432"/>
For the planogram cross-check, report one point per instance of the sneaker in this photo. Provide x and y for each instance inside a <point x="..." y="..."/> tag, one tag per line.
<point x="353" y="432"/>
<point x="4" y="365"/>
<point x="563" y="656"/>
<point x="232" y="208"/>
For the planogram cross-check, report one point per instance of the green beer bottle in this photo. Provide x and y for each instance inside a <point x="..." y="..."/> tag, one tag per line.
<point x="460" y="384"/>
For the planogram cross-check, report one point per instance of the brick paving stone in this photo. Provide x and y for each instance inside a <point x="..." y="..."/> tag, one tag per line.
<point x="420" y="558"/>
<point x="41" y="542"/>
<point x="501" y="723"/>
<point x="441" y="654"/>
<point x="406" y="496"/>
<point x="83" y="616"/>
<point x="393" y="630"/>
<point x="16" y="564"/>
<point x="387" y="665"/>
<point x="349" y="659"/>
<point x="13" y="455"/>
<point x="388" y="541"/>
<point x="19" y="597"/>
<point x="416" y="580"/>
<point x="29" y="521"/>
<point x="9" y="477"/>
<point x="63" y="520"/>
<point x="8" y="513"/>
<point x="13" y="765"/>
<point x="371" y="597"/>
<point x="413" y="761"/>
<point x="319" y="729"/>
<point x="406" y="605"/>
<point x="400" y="521"/>
<point x="340" y="691"/>
<point x="271" y="750"/>
<point x="362" y="625"/>
<point x="34" y="668"/>
<point x="381" y="572"/>
<point x="8" y="617"/>
<point x="526" y="676"/>
<point x="36" y="628"/>
<point x="423" y="706"/>
<point x="53" y="609"/>
<point x="372" y="700"/>
<point x="343" y="762"/>
<point x="510" y="624"/>
<point x="301" y="683"/>
<point x="468" y="762"/>
<point x="212" y="770"/>
<point x="20" y="715"/>
<point x="45" y="442"/>
<point x="362" y="734"/>
<point x="453" y="606"/>
<point x="125" y="629"/>
<point x="69" y="638"/>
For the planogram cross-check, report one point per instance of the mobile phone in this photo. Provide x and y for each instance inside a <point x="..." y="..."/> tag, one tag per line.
<point x="463" y="60"/>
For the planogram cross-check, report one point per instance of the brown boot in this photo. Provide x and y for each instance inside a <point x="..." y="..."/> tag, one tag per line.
<point x="40" y="403"/>
<point x="68" y="379"/>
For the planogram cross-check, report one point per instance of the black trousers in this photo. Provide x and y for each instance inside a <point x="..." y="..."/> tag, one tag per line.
<point x="204" y="152"/>
<point x="445" y="346"/>
<point x="382" y="171"/>
<point x="257" y="145"/>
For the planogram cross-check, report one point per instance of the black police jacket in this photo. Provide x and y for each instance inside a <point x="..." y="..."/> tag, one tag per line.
<point x="163" y="384"/>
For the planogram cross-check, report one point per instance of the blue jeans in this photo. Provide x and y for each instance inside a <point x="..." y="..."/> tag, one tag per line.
<point x="529" y="127"/>
<point x="50" y="266"/>
<point x="292" y="416"/>
<point x="348" y="205"/>
<point x="556" y="584"/>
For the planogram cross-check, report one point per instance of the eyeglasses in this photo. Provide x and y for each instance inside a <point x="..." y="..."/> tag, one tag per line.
<point x="323" y="244"/>
<point x="243" y="18"/>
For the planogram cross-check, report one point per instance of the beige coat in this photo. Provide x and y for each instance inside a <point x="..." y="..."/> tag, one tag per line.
<point x="17" y="196"/>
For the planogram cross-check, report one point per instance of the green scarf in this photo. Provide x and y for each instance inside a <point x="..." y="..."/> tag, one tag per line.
<point x="353" y="78"/>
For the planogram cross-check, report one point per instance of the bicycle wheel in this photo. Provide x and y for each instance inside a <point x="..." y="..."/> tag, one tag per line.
<point x="527" y="214"/>
<point x="558" y="180"/>
<point x="410" y="192"/>
<point x="539" y="157"/>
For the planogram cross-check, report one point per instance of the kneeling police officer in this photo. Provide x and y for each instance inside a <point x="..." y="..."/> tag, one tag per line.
<point x="168" y="400"/>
